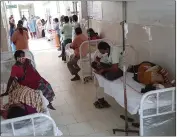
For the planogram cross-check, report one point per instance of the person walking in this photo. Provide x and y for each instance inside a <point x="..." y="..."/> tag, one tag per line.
<point x="11" y="32"/>
<point x="32" y="27"/>
<point x="20" y="38"/>
<point x="57" y="32"/>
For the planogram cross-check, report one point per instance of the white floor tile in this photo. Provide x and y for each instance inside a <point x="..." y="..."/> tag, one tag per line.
<point x="64" y="130"/>
<point x="80" y="129"/>
<point x="65" y="120"/>
<point x="102" y="125"/>
<point x="105" y="133"/>
<point x="75" y="113"/>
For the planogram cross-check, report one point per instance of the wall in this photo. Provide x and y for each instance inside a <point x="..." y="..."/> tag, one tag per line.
<point x="4" y="29"/>
<point x="159" y="17"/>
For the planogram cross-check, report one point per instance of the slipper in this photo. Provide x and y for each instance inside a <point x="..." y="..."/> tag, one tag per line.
<point x="104" y="103"/>
<point x="137" y="125"/>
<point x="51" y="107"/>
<point x="98" y="105"/>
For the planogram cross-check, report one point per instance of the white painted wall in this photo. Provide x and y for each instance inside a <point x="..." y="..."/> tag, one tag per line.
<point x="159" y="15"/>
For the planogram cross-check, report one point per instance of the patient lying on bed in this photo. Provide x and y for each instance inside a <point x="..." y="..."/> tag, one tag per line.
<point x="21" y="101"/>
<point x="109" y="64"/>
<point x="150" y="75"/>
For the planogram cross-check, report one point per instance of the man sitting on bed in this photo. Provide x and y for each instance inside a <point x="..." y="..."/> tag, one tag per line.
<point x="109" y="65"/>
<point x="72" y="64"/>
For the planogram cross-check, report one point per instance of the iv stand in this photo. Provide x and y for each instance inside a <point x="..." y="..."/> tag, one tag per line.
<point x="126" y="129"/>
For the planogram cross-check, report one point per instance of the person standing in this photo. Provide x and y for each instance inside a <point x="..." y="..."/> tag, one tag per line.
<point x="11" y="19"/>
<point x="75" y="25"/>
<point x="12" y="30"/>
<point x="32" y="27"/>
<point x="20" y="38"/>
<point x="20" y="22"/>
<point x="61" y="36"/>
<point x="48" y="32"/>
<point x="25" y="22"/>
<point x="39" y="28"/>
<point x="66" y="32"/>
<point x="57" y="32"/>
<point x="43" y="24"/>
<point x="72" y="64"/>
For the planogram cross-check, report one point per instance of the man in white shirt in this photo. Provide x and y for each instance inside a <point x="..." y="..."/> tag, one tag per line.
<point x="66" y="32"/>
<point x="109" y="65"/>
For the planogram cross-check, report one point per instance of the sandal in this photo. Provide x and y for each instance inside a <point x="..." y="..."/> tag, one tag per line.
<point x="104" y="103"/>
<point x="98" y="105"/>
<point x="51" y="107"/>
<point x="137" y="125"/>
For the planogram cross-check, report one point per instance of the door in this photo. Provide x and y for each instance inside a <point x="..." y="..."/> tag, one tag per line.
<point x="25" y="12"/>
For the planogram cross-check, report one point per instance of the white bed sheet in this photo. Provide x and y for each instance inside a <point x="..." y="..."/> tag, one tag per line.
<point x="115" y="89"/>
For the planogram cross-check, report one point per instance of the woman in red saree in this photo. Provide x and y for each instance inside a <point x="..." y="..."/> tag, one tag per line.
<point x="28" y="76"/>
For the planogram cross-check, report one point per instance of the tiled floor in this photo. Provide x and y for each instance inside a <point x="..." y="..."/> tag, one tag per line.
<point x="75" y="114"/>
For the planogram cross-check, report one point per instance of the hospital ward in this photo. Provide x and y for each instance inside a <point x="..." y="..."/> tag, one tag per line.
<point x="88" y="68"/>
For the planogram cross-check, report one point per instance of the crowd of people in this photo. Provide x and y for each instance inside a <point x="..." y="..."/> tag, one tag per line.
<point x="19" y="34"/>
<point x="27" y="81"/>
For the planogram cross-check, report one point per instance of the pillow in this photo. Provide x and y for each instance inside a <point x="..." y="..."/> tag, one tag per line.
<point x="154" y="68"/>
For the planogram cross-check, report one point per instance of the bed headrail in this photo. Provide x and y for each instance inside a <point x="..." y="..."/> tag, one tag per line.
<point x="32" y="119"/>
<point x="157" y="113"/>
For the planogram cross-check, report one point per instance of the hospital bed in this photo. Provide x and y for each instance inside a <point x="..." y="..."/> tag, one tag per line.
<point x="85" y="62"/>
<point x="156" y="108"/>
<point x="39" y="124"/>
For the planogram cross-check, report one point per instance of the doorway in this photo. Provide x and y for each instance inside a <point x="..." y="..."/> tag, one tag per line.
<point x="25" y="12"/>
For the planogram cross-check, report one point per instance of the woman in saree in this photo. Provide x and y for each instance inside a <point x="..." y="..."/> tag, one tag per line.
<point x="27" y="75"/>
<point x="39" y="28"/>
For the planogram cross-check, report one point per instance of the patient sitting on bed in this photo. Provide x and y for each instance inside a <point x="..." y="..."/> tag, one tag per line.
<point x="109" y="65"/>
